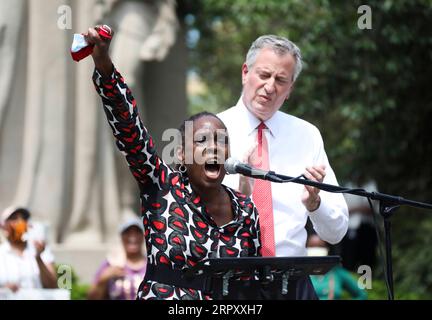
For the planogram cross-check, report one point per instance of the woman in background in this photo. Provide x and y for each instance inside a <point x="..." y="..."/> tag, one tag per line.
<point x="120" y="275"/>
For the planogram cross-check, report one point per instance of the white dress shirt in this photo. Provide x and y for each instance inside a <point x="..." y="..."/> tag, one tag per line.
<point x="294" y="144"/>
<point x="22" y="269"/>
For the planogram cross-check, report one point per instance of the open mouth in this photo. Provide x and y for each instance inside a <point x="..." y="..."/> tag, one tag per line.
<point x="212" y="169"/>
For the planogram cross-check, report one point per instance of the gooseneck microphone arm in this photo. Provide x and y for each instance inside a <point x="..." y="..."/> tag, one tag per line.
<point x="233" y="166"/>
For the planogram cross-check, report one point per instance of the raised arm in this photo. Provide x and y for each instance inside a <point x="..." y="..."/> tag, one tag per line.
<point x="47" y="272"/>
<point x="120" y="107"/>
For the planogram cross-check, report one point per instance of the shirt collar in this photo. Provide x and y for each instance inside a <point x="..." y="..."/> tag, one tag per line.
<point x="238" y="207"/>
<point x="253" y="122"/>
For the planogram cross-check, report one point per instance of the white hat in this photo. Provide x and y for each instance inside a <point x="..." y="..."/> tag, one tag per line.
<point x="131" y="222"/>
<point x="10" y="211"/>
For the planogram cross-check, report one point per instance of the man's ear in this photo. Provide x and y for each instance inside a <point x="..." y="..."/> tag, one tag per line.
<point x="245" y="71"/>
<point x="290" y="90"/>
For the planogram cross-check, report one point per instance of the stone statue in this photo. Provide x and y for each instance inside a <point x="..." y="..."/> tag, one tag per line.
<point x="57" y="156"/>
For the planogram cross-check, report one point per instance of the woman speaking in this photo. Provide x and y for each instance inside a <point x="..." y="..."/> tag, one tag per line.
<point x="188" y="215"/>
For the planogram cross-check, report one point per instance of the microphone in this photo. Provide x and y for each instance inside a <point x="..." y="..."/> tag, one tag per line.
<point x="233" y="166"/>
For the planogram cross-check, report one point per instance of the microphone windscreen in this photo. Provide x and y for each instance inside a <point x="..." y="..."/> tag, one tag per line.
<point x="230" y="165"/>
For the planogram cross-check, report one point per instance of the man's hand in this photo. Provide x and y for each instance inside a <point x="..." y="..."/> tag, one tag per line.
<point x="100" y="53"/>
<point x="311" y="199"/>
<point x="246" y="184"/>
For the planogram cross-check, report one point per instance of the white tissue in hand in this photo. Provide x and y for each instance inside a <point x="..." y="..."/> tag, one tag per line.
<point x="78" y="42"/>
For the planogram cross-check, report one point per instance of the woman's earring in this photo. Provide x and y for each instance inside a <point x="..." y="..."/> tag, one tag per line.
<point x="182" y="168"/>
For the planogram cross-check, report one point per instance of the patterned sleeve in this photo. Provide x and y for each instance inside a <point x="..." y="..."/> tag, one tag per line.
<point x="132" y="138"/>
<point x="257" y="239"/>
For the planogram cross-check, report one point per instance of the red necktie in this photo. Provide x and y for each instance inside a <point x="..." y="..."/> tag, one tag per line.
<point x="262" y="196"/>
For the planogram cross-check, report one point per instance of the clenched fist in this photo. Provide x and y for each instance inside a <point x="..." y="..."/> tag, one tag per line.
<point x="100" y="37"/>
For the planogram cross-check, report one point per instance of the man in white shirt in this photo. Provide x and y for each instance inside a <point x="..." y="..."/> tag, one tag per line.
<point x="23" y="264"/>
<point x="295" y="147"/>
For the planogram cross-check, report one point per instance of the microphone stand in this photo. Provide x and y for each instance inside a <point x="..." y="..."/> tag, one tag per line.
<point x="387" y="206"/>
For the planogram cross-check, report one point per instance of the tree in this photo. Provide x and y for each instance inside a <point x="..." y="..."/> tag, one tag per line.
<point x="367" y="90"/>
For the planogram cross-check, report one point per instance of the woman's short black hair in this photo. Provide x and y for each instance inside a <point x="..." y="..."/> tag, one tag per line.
<point x="194" y="117"/>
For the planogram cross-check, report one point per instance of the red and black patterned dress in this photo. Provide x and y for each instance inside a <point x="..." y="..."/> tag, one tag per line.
<point x="178" y="231"/>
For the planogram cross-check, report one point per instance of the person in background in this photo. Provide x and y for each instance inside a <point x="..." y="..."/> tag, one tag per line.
<point x="120" y="275"/>
<point x="25" y="262"/>
<point x="331" y="285"/>
<point x="269" y="139"/>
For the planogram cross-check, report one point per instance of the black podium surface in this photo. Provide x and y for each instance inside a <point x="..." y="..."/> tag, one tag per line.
<point x="244" y="278"/>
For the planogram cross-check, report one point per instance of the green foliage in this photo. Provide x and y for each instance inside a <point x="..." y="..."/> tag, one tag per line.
<point x="80" y="291"/>
<point x="367" y="90"/>
<point x="379" y="292"/>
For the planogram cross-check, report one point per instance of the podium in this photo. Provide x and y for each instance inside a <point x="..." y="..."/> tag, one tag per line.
<point x="246" y="278"/>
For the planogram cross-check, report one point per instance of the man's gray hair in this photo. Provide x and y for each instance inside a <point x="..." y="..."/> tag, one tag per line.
<point x="280" y="45"/>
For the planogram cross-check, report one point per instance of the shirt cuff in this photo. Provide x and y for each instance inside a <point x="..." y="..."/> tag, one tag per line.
<point x="319" y="214"/>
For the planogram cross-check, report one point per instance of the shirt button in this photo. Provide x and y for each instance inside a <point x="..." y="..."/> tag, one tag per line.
<point x="217" y="234"/>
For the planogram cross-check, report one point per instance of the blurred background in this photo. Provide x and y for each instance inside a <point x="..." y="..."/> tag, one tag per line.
<point x="367" y="90"/>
